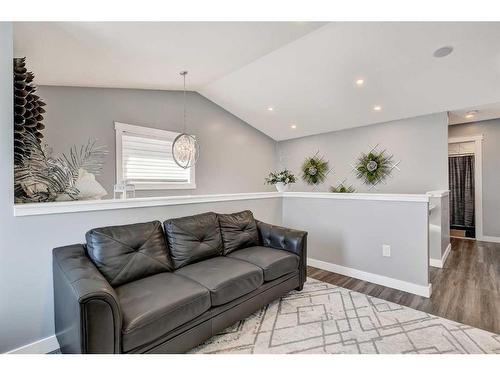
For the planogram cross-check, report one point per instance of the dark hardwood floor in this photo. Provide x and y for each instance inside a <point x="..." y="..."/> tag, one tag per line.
<point x="466" y="290"/>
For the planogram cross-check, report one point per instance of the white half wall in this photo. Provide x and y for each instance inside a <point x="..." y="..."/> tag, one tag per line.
<point x="348" y="234"/>
<point x="439" y="227"/>
<point x="27" y="313"/>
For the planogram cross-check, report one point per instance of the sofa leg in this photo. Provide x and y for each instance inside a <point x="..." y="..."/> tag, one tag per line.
<point x="300" y="287"/>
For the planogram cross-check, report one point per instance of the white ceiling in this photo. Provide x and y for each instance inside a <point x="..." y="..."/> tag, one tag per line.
<point x="310" y="82"/>
<point x="484" y="112"/>
<point x="147" y="55"/>
<point x="305" y="71"/>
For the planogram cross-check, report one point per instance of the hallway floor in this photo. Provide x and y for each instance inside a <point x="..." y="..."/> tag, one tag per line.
<point x="466" y="290"/>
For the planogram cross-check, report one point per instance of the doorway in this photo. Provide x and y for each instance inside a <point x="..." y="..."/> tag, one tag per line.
<point x="464" y="165"/>
<point x="461" y="185"/>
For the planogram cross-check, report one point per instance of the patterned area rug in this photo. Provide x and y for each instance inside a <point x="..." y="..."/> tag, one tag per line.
<point x="324" y="318"/>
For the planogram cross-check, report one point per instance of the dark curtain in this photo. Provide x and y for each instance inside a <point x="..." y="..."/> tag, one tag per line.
<point x="462" y="190"/>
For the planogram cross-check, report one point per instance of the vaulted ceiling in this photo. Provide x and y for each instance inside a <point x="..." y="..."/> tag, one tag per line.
<point x="287" y="79"/>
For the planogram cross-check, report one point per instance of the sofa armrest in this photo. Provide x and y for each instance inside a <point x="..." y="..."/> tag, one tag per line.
<point x="86" y="309"/>
<point x="287" y="239"/>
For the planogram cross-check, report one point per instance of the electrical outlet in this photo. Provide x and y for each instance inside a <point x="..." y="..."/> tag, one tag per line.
<point x="386" y="250"/>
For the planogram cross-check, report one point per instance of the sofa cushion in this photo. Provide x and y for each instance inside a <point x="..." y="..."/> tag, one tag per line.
<point x="226" y="278"/>
<point x="128" y="252"/>
<point x="156" y="305"/>
<point x="274" y="263"/>
<point x="238" y="231"/>
<point x="193" y="238"/>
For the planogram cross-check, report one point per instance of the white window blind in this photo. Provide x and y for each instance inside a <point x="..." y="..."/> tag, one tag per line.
<point x="146" y="159"/>
<point x="150" y="160"/>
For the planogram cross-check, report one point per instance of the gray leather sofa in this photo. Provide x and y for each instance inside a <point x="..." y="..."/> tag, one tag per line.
<point x="141" y="288"/>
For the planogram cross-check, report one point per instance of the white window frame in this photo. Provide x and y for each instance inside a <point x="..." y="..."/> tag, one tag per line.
<point x="121" y="129"/>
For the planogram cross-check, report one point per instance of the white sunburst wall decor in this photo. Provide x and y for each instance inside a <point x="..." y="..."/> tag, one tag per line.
<point x="315" y="170"/>
<point x="375" y="167"/>
<point x="342" y="187"/>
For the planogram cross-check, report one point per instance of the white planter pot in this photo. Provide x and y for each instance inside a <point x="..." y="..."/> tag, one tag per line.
<point x="281" y="187"/>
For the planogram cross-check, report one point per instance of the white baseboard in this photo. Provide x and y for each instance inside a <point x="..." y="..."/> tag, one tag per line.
<point x="46" y="345"/>
<point x="466" y="238"/>
<point x="489" y="239"/>
<point x="405" y="286"/>
<point x="439" y="263"/>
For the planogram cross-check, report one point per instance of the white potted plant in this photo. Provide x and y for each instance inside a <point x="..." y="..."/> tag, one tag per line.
<point x="281" y="179"/>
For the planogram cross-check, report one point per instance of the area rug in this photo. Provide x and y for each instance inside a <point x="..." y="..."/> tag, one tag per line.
<point x="324" y="318"/>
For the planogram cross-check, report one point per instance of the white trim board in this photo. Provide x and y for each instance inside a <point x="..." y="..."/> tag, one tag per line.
<point x="43" y="346"/>
<point x="360" y="196"/>
<point x="438" y="193"/>
<point x="465" y="238"/>
<point x="439" y="263"/>
<point x="405" y="286"/>
<point x="49" y="208"/>
<point x="114" y="204"/>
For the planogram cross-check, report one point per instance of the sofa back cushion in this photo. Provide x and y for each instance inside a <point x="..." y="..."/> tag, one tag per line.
<point x="238" y="230"/>
<point x="193" y="238"/>
<point x="129" y="252"/>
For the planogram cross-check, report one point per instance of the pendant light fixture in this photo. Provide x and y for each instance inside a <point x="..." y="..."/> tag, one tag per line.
<point x="185" y="149"/>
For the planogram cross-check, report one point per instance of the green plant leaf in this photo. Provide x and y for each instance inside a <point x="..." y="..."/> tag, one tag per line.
<point x="314" y="170"/>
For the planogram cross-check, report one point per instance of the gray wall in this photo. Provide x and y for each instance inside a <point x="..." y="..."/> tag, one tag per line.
<point x="491" y="166"/>
<point x="351" y="233"/>
<point x="421" y="143"/>
<point x="7" y="248"/>
<point x="229" y="146"/>
<point x="26" y="298"/>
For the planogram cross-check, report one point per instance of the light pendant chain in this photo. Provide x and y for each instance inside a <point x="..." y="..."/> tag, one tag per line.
<point x="184" y="99"/>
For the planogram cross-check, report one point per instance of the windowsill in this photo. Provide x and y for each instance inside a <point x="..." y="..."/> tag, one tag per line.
<point x="31" y="209"/>
<point x="164" y="186"/>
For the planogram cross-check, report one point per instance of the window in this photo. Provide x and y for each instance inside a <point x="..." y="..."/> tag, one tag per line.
<point x="144" y="158"/>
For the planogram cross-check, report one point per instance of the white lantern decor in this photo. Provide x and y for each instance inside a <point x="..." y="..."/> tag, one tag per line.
<point x="185" y="148"/>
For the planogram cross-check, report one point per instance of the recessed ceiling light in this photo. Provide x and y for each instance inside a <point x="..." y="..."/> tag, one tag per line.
<point x="471" y="114"/>
<point x="443" y="51"/>
<point x="293" y="126"/>
<point x="377" y="108"/>
<point x="360" y="82"/>
<point x="270" y="109"/>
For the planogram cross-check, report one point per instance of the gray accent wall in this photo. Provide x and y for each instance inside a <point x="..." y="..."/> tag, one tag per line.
<point x="491" y="165"/>
<point x="235" y="157"/>
<point x="420" y="143"/>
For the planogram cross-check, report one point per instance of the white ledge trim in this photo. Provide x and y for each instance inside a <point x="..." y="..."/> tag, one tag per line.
<point x="116" y="204"/>
<point x="31" y="209"/>
<point x="438" y="193"/>
<point x="361" y="196"/>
